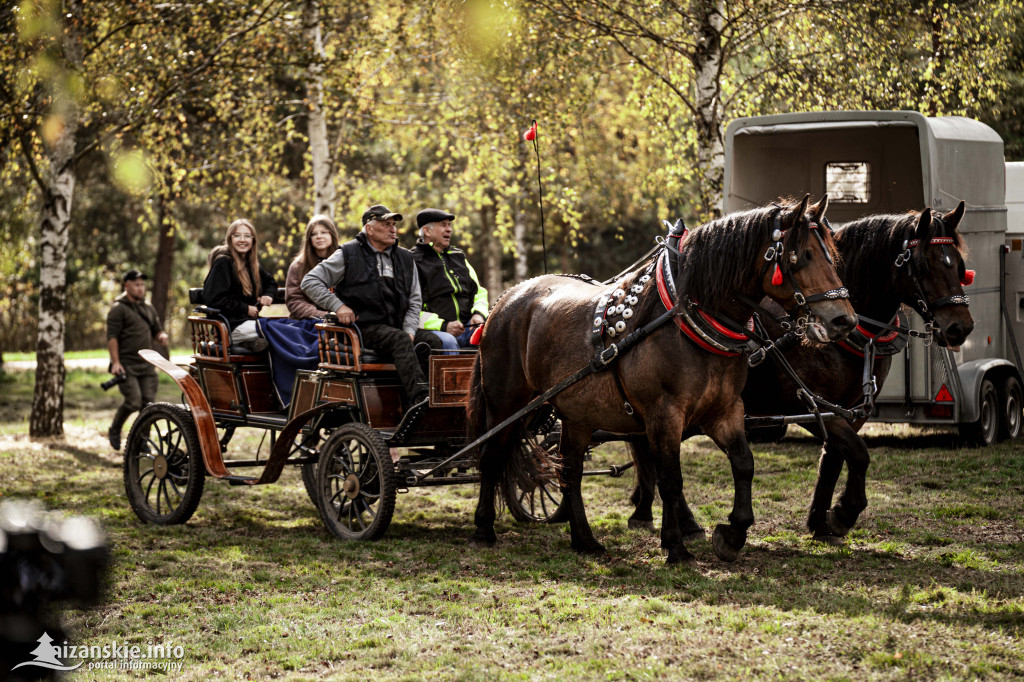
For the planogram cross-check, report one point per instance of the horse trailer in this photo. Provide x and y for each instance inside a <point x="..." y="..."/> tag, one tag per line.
<point x="872" y="162"/>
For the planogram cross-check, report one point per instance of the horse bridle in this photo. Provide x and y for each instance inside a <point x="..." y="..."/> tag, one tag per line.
<point x="773" y="255"/>
<point x="923" y="308"/>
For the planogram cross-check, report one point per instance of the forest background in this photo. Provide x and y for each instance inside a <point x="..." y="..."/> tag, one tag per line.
<point x="132" y="133"/>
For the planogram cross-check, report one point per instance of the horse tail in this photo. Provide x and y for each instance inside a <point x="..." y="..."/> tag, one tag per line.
<point x="476" y="405"/>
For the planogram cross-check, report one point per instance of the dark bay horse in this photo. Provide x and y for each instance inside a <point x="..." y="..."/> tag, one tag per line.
<point x="688" y="372"/>
<point x="915" y="259"/>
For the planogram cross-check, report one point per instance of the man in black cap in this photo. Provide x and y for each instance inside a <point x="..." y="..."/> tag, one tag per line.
<point x="375" y="282"/>
<point x="454" y="303"/>
<point x="132" y="325"/>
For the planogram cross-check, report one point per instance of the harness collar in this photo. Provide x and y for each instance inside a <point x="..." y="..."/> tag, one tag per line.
<point x="883" y="344"/>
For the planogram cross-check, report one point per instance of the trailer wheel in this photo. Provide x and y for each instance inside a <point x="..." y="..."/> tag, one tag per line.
<point x="163" y="465"/>
<point x="355" y="483"/>
<point x="538" y="501"/>
<point x="985" y="431"/>
<point x="1012" y="423"/>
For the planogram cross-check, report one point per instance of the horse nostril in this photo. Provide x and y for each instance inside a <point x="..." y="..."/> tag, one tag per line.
<point x="844" y="321"/>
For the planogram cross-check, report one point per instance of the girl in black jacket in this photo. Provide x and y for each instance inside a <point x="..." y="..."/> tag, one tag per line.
<point x="237" y="284"/>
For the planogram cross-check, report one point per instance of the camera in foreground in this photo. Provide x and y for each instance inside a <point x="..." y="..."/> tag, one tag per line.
<point x="114" y="381"/>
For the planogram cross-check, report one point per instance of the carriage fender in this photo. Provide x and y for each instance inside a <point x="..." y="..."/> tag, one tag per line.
<point x="972" y="373"/>
<point x="206" y="428"/>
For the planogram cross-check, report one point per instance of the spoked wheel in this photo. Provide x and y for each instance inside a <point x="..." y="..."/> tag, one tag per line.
<point x="163" y="465"/>
<point x="985" y="431"/>
<point x="536" y="499"/>
<point x="1012" y="423"/>
<point x="355" y="483"/>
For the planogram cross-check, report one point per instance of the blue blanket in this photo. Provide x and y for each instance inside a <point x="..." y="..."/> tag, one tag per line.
<point x="293" y="346"/>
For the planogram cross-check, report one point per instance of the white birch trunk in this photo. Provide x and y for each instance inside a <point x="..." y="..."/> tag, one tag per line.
<point x="326" y="195"/>
<point x="47" y="417"/>
<point x="707" y="64"/>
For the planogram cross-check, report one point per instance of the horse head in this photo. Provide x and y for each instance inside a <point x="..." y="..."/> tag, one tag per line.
<point x="933" y="269"/>
<point x="801" y="273"/>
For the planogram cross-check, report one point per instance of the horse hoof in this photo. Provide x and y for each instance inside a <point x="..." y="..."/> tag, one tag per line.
<point x="483" y="541"/>
<point x="681" y="556"/>
<point x="836" y="526"/>
<point x="638" y="524"/>
<point x="828" y="539"/>
<point x="694" y="536"/>
<point x="723" y="550"/>
<point x="595" y="549"/>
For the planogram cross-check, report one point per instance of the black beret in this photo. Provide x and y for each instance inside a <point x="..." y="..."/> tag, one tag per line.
<point x="432" y="215"/>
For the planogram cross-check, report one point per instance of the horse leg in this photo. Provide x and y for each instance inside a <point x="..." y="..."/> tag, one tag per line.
<point x="665" y="452"/>
<point x="844" y="444"/>
<point x="572" y="447"/>
<point x="727" y="434"/>
<point x="493" y="454"/>
<point x="643" y="492"/>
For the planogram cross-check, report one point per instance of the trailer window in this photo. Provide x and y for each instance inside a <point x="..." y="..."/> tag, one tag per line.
<point x="848" y="182"/>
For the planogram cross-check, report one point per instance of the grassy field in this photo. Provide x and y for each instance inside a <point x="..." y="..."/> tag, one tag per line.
<point x="929" y="586"/>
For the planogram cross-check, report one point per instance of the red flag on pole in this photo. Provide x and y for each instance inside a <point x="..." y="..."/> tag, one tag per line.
<point x="531" y="133"/>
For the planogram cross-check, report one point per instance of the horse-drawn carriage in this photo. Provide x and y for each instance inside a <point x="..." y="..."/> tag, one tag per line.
<point x="346" y="427"/>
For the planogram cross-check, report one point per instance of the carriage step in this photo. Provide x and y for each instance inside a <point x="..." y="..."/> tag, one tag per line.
<point x="240" y="480"/>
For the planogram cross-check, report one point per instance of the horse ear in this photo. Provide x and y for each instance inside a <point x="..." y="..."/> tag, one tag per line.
<point x="817" y="211"/>
<point x="792" y="219"/>
<point x="923" y="223"/>
<point x="954" y="217"/>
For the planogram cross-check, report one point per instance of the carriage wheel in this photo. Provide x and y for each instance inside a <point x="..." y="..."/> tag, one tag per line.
<point x="538" y="501"/>
<point x="985" y="431"/>
<point x="308" y="444"/>
<point x="1012" y="423"/>
<point x="163" y="465"/>
<point x="355" y="483"/>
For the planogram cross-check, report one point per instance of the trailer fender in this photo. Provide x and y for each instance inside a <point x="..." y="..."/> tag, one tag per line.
<point x="209" y="443"/>
<point x="971" y="375"/>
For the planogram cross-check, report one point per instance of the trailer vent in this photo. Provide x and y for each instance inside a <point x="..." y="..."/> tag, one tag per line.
<point x="848" y="182"/>
<point x="943" y="396"/>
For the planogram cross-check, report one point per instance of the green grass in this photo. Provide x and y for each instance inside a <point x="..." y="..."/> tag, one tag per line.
<point x="930" y="584"/>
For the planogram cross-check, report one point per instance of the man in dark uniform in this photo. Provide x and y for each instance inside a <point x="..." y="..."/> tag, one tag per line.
<point x="453" y="301"/>
<point x="132" y="325"/>
<point x="375" y="282"/>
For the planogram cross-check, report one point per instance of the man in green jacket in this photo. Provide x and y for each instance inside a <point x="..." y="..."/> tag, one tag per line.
<point x="132" y="325"/>
<point x="454" y="303"/>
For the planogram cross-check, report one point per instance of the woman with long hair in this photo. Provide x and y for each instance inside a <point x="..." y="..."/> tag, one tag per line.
<point x="237" y="284"/>
<point x="320" y="241"/>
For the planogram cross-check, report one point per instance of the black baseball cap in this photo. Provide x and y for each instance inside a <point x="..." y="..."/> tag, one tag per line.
<point x="132" y="274"/>
<point x="380" y="212"/>
<point x="432" y="215"/>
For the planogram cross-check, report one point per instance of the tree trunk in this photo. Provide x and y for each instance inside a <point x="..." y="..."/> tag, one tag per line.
<point x="164" y="260"/>
<point x="707" y="64"/>
<point x="47" y="418"/>
<point x="492" y="257"/>
<point x="326" y="194"/>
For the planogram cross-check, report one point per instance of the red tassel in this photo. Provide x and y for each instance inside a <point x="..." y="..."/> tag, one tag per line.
<point x="474" y="339"/>
<point x="531" y="133"/>
<point x="777" y="277"/>
<point x="968" y="279"/>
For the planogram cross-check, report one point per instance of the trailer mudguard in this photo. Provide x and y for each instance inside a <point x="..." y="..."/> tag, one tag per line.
<point x="971" y="375"/>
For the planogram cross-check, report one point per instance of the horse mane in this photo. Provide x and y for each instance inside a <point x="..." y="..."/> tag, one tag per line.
<point x="870" y="246"/>
<point x="716" y="257"/>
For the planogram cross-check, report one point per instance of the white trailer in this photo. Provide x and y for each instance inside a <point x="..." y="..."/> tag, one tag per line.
<point x="872" y="162"/>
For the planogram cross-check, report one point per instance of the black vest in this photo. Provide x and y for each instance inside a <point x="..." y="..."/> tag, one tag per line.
<point x="447" y="287"/>
<point x="375" y="299"/>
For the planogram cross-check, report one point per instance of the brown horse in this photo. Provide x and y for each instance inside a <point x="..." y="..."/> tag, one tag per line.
<point x="915" y="259"/>
<point x="688" y="372"/>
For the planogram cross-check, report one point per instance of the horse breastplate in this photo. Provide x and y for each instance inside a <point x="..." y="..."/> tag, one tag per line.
<point x="884" y="344"/>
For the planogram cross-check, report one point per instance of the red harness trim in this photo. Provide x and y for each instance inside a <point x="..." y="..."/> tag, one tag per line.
<point x="666" y="300"/>
<point x="881" y="339"/>
<point x="935" y="240"/>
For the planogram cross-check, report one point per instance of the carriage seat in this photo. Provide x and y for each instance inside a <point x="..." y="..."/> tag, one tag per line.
<point x="341" y="348"/>
<point x="211" y="334"/>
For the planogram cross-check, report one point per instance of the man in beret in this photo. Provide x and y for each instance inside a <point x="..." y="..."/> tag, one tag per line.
<point x="375" y="282"/>
<point x="454" y="303"/>
<point x="132" y="325"/>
